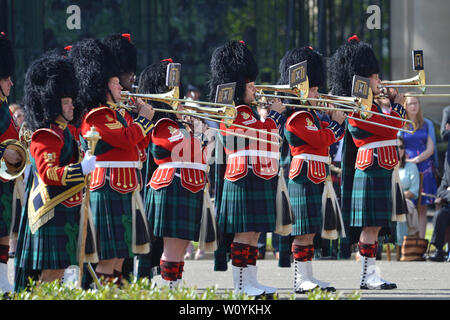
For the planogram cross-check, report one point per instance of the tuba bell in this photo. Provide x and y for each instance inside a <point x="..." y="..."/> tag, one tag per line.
<point x="10" y="171"/>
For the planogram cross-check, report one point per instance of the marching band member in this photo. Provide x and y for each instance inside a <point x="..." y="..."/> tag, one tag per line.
<point x="175" y="197"/>
<point x="369" y="156"/>
<point x="49" y="228"/>
<point x="115" y="184"/>
<point x="8" y="130"/>
<point x="309" y="140"/>
<point x="246" y="200"/>
<point x="125" y="52"/>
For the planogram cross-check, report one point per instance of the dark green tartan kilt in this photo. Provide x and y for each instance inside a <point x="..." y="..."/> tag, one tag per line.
<point x="174" y="211"/>
<point x="306" y="203"/>
<point x="248" y="205"/>
<point x="6" y="196"/>
<point x="372" y="199"/>
<point x="112" y="215"/>
<point x="54" y="245"/>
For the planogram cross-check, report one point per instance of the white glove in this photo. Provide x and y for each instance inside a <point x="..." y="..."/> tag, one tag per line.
<point x="88" y="163"/>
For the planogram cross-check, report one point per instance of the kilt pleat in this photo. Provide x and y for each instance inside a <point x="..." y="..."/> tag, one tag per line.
<point x="6" y="198"/>
<point x="174" y="211"/>
<point x="371" y="198"/>
<point x="306" y="202"/>
<point x="112" y="215"/>
<point x="248" y="205"/>
<point x="53" y="245"/>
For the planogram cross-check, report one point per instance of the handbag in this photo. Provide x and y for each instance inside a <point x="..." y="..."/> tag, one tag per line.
<point x="413" y="248"/>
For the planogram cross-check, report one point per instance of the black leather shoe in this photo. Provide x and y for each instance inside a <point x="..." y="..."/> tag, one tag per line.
<point x="438" y="256"/>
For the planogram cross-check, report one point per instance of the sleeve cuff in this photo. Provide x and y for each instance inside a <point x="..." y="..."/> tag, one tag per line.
<point x="73" y="174"/>
<point x="399" y="109"/>
<point x="145" y="124"/>
<point x="337" y="129"/>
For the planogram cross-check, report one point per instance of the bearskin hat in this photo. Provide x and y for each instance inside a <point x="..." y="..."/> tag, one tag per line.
<point x="353" y="58"/>
<point x="316" y="66"/>
<point x="7" y="61"/>
<point x="232" y="62"/>
<point x="124" y="51"/>
<point x="48" y="80"/>
<point x="94" y="66"/>
<point x="152" y="80"/>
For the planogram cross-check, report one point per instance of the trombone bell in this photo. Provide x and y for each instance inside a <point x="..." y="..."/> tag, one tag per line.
<point x="418" y="81"/>
<point x="167" y="97"/>
<point x="9" y="171"/>
<point x="301" y="90"/>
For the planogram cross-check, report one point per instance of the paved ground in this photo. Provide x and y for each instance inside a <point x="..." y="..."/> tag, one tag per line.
<point x="415" y="280"/>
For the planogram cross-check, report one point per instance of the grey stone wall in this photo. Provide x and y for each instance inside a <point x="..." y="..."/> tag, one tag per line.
<point x="422" y="25"/>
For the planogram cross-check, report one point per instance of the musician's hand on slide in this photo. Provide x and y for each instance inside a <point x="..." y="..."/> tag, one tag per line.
<point x="277" y="105"/>
<point x="146" y="111"/>
<point x="338" y="116"/>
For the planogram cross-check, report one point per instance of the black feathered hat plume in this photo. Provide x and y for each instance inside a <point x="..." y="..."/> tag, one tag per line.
<point x="316" y="66"/>
<point x="94" y="66"/>
<point x="152" y="80"/>
<point x="48" y="80"/>
<point x="354" y="57"/>
<point x="123" y="50"/>
<point x="232" y="62"/>
<point x="7" y="61"/>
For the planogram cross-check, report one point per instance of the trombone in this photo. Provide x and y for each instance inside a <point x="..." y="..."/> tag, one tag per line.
<point x="224" y="112"/>
<point x="350" y="104"/>
<point x="417" y="81"/>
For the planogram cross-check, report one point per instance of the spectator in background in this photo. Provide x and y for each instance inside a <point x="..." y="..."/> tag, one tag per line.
<point x="410" y="181"/>
<point x="420" y="151"/>
<point x="18" y="113"/>
<point x="445" y="123"/>
<point x="441" y="219"/>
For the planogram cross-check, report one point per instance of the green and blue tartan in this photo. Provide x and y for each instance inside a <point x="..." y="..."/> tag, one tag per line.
<point x="112" y="216"/>
<point x="174" y="211"/>
<point x="306" y="203"/>
<point x="54" y="245"/>
<point x="248" y="205"/>
<point x="6" y="198"/>
<point x="372" y="199"/>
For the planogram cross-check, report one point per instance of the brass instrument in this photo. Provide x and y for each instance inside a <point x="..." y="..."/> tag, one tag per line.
<point x="223" y="111"/>
<point x="10" y="171"/>
<point x="217" y="113"/>
<point x="349" y="104"/>
<point x="300" y="90"/>
<point x="417" y="81"/>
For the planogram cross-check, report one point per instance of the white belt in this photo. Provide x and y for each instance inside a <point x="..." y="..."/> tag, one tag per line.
<point x="377" y="144"/>
<point x="184" y="165"/>
<point x="117" y="164"/>
<point x="255" y="153"/>
<point x="314" y="157"/>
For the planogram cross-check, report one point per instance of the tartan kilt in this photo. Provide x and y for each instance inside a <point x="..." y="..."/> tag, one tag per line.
<point x="174" y="211"/>
<point x="372" y="199"/>
<point x="54" y="245"/>
<point x="112" y="215"/>
<point x="248" y="205"/>
<point x="306" y="203"/>
<point x="6" y="198"/>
